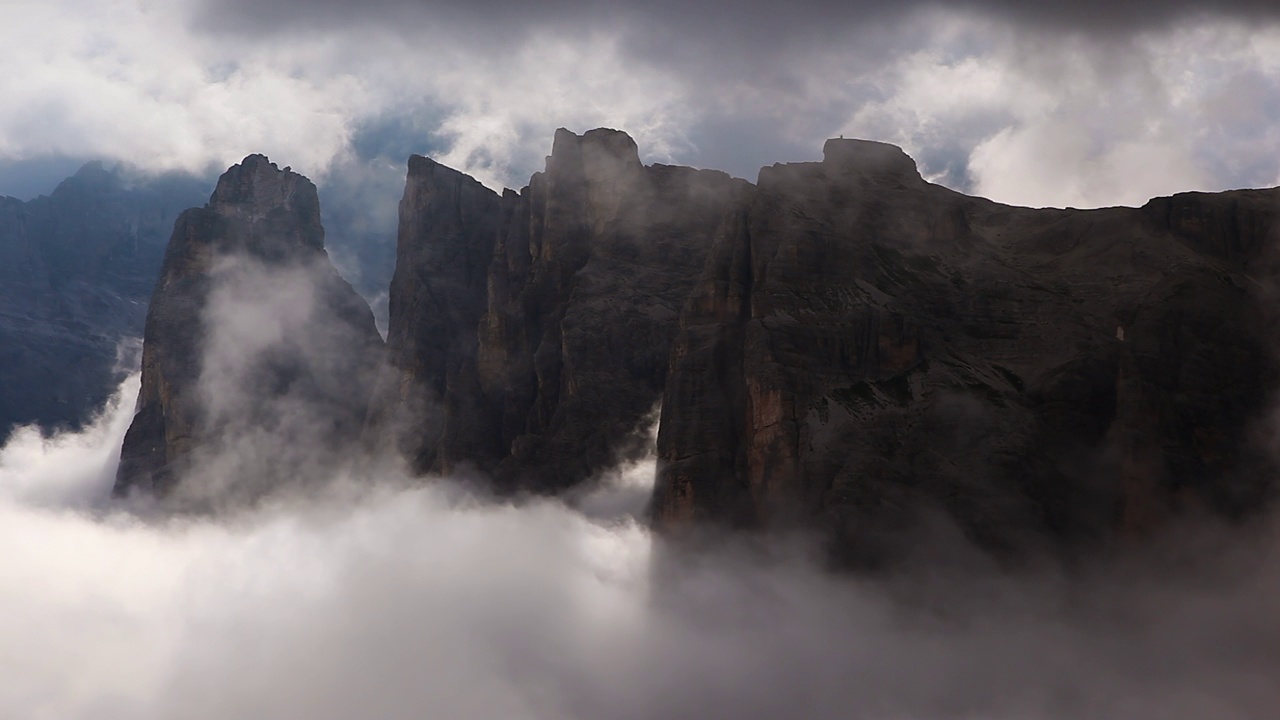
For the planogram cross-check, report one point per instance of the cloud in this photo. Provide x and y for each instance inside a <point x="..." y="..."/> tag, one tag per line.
<point x="287" y="364"/>
<point x="751" y="19"/>
<point x="122" y="79"/>
<point x="68" y="469"/>
<point x="382" y="601"/>
<point x="1065" y="103"/>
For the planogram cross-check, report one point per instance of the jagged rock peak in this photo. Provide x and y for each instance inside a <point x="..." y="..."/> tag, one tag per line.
<point x="280" y="209"/>
<point x="876" y="160"/>
<point x="425" y="167"/>
<point x="530" y="332"/>
<point x="256" y="187"/>
<point x="307" y="386"/>
<point x="93" y="170"/>
<point x="601" y="141"/>
<point x="603" y="153"/>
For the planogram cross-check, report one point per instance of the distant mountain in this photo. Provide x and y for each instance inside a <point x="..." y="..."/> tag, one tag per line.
<point x="76" y="270"/>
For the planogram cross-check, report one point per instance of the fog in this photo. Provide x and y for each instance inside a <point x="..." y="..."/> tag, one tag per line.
<point x="373" y="596"/>
<point x="426" y="601"/>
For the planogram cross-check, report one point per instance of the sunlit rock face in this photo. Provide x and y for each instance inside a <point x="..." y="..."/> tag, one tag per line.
<point x="76" y="270"/>
<point x="258" y="358"/>
<point x="530" y="331"/>
<point x="881" y="359"/>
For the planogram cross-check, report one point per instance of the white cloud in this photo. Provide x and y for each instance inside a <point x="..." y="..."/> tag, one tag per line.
<point x="125" y="79"/>
<point x="501" y="115"/>
<point x="380" y="602"/>
<point x="68" y="469"/>
<point x="1072" y="121"/>
<point x="1048" y="118"/>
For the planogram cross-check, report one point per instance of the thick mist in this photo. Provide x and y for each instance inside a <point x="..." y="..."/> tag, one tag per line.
<point x="393" y="601"/>
<point x="362" y="594"/>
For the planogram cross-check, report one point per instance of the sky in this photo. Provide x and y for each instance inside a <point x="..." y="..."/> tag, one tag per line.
<point x="1064" y="103"/>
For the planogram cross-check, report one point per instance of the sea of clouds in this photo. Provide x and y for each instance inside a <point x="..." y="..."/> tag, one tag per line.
<point x="395" y="600"/>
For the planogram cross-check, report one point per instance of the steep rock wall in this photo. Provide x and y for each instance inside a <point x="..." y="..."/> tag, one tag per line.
<point x="530" y="331"/>
<point x="258" y="359"/>
<point x="875" y="357"/>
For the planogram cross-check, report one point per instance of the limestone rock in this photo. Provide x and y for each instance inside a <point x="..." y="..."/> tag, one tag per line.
<point x="258" y="358"/>
<point x="530" y="331"/>
<point x="874" y="357"/>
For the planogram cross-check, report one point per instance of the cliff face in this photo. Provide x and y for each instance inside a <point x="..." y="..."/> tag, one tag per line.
<point x="76" y="269"/>
<point x="529" y="331"/>
<point x="867" y="353"/>
<point x="257" y="355"/>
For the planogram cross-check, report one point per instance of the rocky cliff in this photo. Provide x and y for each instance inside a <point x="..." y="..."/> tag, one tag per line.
<point x="76" y="269"/>
<point x="258" y="358"/>
<point x="529" y="331"/>
<point x="881" y="358"/>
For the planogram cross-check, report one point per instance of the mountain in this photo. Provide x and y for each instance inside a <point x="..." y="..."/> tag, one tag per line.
<point x="882" y="359"/>
<point x="76" y="269"/>
<point x="258" y="359"/>
<point x="841" y="348"/>
<point x="529" y="331"/>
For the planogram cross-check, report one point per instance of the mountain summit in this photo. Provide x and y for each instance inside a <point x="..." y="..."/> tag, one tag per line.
<point x="529" y="331"/>
<point x="842" y="347"/>
<point x="256" y="352"/>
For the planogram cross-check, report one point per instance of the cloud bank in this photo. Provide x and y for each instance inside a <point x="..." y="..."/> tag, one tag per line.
<point x="1079" y="104"/>
<point x="392" y="603"/>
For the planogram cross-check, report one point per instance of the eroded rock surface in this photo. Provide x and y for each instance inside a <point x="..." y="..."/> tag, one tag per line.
<point x="530" y="331"/>
<point x="880" y="358"/>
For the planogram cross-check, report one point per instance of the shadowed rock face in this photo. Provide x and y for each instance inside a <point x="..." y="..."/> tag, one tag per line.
<point x="76" y="270"/>
<point x="255" y="349"/>
<point x="875" y="357"/>
<point x="530" y="331"/>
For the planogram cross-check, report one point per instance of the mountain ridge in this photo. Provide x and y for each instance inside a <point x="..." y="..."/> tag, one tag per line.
<point x="841" y="348"/>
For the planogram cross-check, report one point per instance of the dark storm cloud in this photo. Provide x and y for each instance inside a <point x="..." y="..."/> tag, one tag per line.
<point x="717" y="19"/>
<point x="1081" y="104"/>
<point x="981" y="92"/>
